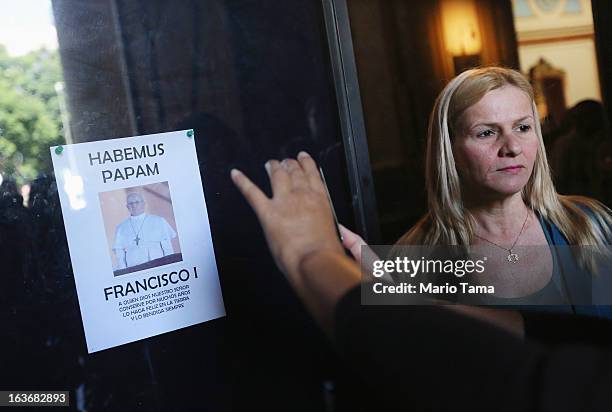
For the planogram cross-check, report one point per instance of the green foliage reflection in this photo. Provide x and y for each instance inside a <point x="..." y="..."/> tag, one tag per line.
<point x="30" y="118"/>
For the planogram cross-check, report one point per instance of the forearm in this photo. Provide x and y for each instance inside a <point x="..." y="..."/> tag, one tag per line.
<point x="323" y="278"/>
<point x="509" y="320"/>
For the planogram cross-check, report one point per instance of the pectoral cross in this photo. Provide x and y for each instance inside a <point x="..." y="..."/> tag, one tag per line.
<point x="136" y="239"/>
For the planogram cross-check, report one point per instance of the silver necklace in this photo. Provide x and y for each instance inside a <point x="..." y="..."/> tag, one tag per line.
<point x="512" y="257"/>
<point x="137" y="239"/>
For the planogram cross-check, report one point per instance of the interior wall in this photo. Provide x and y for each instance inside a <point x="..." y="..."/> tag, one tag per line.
<point x="563" y="35"/>
<point x="576" y="58"/>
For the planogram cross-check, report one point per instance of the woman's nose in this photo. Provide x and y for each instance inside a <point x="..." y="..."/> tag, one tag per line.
<point x="511" y="146"/>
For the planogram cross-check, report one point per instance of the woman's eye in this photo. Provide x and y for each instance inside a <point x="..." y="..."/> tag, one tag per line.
<point x="523" y="128"/>
<point x="485" y="133"/>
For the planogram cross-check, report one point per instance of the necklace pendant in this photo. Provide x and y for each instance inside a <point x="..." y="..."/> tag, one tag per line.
<point x="512" y="257"/>
<point x="136" y="239"/>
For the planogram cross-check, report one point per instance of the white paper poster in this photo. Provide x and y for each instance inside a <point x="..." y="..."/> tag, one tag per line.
<point x="139" y="236"/>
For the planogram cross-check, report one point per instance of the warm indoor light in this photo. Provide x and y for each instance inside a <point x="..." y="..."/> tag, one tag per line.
<point x="461" y="32"/>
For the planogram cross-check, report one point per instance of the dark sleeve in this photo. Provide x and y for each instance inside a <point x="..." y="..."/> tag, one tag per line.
<point x="553" y="329"/>
<point x="429" y="358"/>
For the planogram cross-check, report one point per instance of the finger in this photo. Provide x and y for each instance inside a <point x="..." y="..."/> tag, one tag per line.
<point x="352" y="241"/>
<point x="253" y="195"/>
<point x="279" y="178"/>
<point x="357" y="246"/>
<point x="296" y="173"/>
<point x="311" y="170"/>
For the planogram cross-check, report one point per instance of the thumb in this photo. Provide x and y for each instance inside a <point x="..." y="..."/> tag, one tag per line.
<point x="352" y="241"/>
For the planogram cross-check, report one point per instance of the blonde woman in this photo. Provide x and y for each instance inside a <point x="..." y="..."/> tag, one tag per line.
<point x="489" y="185"/>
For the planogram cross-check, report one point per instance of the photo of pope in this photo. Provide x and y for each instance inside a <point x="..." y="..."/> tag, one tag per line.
<point x="141" y="237"/>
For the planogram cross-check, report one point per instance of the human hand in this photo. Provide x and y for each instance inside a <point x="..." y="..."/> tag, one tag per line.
<point x="297" y="220"/>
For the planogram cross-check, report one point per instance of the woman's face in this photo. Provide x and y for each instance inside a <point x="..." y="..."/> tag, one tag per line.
<point x="496" y="143"/>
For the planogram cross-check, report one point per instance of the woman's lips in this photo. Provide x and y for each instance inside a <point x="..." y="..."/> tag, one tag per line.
<point x="512" y="169"/>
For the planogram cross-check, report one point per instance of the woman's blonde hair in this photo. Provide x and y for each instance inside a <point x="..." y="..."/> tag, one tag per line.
<point x="448" y="222"/>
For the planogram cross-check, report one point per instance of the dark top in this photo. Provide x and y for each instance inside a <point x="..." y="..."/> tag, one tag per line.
<point x="587" y="293"/>
<point x="551" y="298"/>
<point x="570" y="289"/>
<point x="428" y="358"/>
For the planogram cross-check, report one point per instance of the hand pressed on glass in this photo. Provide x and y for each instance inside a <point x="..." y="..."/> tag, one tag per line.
<point x="297" y="220"/>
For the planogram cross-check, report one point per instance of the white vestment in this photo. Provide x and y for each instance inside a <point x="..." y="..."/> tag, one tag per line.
<point x="139" y="239"/>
